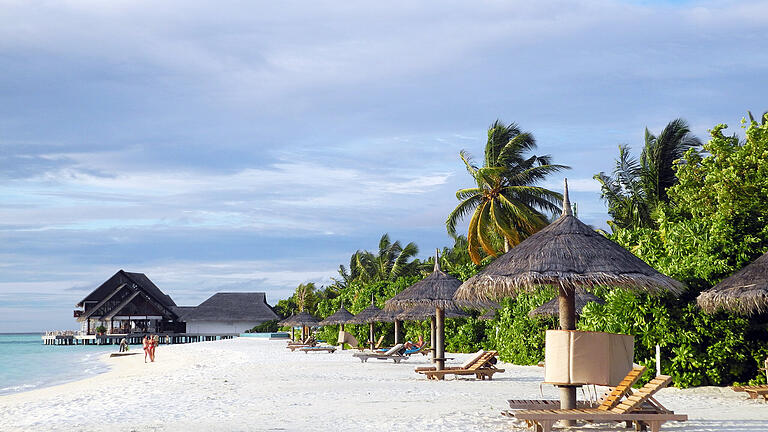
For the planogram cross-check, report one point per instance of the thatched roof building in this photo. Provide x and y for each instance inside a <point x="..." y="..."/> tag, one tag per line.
<point x="744" y="292"/>
<point x="552" y="307"/>
<point x="228" y="312"/>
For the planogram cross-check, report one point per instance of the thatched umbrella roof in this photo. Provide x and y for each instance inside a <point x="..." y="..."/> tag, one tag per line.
<point x="744" y="292"/>
<point x="424" y="312"/>
<point x="388" y="316"/>
<point x="299" y="319"/>
<point x="342" y="316"/>
<point x="566" y="254"/>
<point x="366" y="316"/>
<point x="434" y="291"/>
<point x="552" y="307"/>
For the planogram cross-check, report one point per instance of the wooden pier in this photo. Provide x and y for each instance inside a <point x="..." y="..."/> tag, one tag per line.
<point x="133" y="338"/>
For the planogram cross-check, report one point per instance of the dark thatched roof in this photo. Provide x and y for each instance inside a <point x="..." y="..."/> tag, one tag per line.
<point x="299" y="319"/>
<point x="139" y="280"/>
<point x="232" y="306"/>
<point x="744" y="292"/>
<point x="567" y="254"/>
<point x="342" y="316"/>
<point x="435" y="290"/>
<point x="424" y="312"/>
<point x="367" y="315"/>
<point x="552" y="307"/>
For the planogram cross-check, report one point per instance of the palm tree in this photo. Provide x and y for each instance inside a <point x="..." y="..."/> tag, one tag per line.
<point x="392" y="261"/>
<point x="635" y="188"/>
<point x="506" y="205"/>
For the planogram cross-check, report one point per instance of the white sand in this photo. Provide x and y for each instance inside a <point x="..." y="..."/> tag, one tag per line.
<point x="250" y="384"/>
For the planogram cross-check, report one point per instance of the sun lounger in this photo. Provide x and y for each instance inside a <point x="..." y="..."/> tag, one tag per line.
<point x="481" y="365"/>
<point x="633" y="408"/>
<point x="754" y="391"/>
<point x="608" y="401"/>
<point x="423" y="350"/>
<point x="394" y="354"/>
<point x="328" y="349"/>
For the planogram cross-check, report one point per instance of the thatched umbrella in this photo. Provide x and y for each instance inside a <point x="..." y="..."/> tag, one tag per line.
<point x="744" y="292"/>
<point x="419" y="313"/>
<point x="566" y="254"/>
<point x="341" y="317"/>
<point x="552" y="307"/>
<point x="393" y="317"/>
<point x="435" y="292"/>
<point x="368" y="316"/>
<point x="302" y="319"/>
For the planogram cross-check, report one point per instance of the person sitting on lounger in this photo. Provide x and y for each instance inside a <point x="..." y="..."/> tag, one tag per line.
<point x="410" y="345"/>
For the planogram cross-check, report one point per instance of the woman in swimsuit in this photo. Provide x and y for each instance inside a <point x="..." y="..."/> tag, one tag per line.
<point x="154" y="341"/>
<point x="145" y="343"/>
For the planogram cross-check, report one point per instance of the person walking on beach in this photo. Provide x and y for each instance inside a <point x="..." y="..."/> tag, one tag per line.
<point x="145" y="343"/>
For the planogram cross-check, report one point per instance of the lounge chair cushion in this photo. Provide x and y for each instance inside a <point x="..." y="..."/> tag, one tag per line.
<point x="394" y="350"/>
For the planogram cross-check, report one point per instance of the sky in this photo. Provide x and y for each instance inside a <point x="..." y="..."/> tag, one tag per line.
<point x="253" y="146"/>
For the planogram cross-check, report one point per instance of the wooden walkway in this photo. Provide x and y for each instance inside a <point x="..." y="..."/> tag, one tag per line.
<point x="133" y="338"/>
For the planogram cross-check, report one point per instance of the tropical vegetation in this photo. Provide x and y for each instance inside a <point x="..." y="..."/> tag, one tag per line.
<point x="710" y="220"/>
<point x="505" y="203"/>
<point x="636" y="187"/>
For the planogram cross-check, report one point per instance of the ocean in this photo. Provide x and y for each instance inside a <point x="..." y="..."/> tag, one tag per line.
<point x="27" y="364"/>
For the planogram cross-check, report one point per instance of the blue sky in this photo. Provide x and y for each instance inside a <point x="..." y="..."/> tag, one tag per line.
<point x="256" y="145"/>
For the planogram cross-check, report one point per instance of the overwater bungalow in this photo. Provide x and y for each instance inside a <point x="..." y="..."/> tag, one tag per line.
<point x="130" y="303"/>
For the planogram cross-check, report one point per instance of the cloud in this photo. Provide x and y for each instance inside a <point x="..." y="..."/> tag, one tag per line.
<point x="171" y="137"/>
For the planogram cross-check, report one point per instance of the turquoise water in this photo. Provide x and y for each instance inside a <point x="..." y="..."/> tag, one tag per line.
<point x="27" y="364"/>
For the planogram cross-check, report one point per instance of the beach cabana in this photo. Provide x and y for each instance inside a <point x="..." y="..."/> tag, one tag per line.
<point x="434" y="292"/>
<point x="303" y="319"/>
<point x="552" y="307"/>
<point x="341" y="317"/>
<point x="744" y="292"/>
<point x="565" y="255"/>
<point x="368" y="316"/>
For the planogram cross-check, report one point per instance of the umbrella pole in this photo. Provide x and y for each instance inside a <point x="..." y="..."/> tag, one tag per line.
<point x="439" y="340"/>
<point x="370" y="334"/>
<point x="342" y="342"/>
<point x="432" y="337"/>
<point x="397" y="332"/>
<point x="567" y="305"/>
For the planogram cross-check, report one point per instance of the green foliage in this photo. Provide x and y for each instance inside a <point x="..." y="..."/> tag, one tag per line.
<point x="101" y="329"/>
<point x="718" y="220"/>
<point x="697" y="348"/>
<point x="390" y="262"/>
<point x="265" y="327"/>
<point x="518" y="338"/>
<point x="635" y="188"/>
<point x="505" y="204"/>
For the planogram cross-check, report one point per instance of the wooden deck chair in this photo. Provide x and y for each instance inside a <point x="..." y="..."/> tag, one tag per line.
<point x="328" y="349"/>
<point x="481" y="365"/>
<point x="608" y="401"/>
<point x="753" y="391"/>
<point x="631" y="409"/>
<point x="394" y="354"/>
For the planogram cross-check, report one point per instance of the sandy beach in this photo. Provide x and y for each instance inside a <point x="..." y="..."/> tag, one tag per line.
<point x="248" y="384"/>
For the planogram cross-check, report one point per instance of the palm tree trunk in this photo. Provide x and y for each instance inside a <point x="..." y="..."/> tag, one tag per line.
<point x="506" y="245"/>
